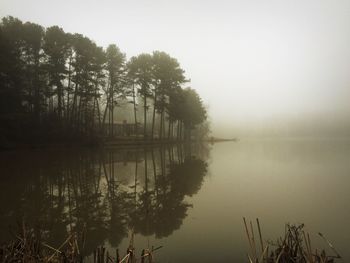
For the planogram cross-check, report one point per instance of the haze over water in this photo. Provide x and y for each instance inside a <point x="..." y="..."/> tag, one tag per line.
<point x="273" y="73"/>
<point x="265" y="68"/>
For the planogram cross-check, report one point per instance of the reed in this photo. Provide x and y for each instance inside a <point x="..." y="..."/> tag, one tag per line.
<point x="294" y="247"/>
<point x="28" y="246"/>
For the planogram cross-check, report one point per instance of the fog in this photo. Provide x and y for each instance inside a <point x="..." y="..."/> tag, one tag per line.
<point x="264" y="68"/>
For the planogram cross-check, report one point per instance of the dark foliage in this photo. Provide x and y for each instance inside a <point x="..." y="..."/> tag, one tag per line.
<point x="56" y="86"/>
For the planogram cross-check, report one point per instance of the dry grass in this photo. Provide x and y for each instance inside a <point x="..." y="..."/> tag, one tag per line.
<point x="294" y="247"/>
<point x="28" y="247"/>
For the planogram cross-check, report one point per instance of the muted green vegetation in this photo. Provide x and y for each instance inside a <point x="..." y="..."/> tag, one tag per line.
<point x="59" y="86"/>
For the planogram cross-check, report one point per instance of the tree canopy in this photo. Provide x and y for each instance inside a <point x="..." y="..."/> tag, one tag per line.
<point x="60" y="84"/>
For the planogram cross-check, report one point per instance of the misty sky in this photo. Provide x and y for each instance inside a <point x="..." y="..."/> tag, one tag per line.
<point x="264" y="67"/>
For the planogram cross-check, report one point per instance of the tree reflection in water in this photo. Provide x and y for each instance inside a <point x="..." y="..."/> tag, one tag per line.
<point x="103" y="192"/>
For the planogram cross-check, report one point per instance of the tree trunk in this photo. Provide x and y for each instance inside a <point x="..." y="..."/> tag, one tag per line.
<point x="105" y="111"/>
<point x="59" y="98"/>
<point x="68" y="88"/>
<point x="79" y="114"/>
<point x="93" y="114"/>
<point x="134" y="102"/>
<point x="98" y="113"/>
<point x="112" y="116"/>
<point x="36" y="91"/>
<point x="144" y="115"/>
<point x="73" y="110"/>
<point x="154" y="113"/>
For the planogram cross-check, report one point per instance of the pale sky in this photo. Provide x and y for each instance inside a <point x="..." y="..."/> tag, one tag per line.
<point x="263" y="66"/>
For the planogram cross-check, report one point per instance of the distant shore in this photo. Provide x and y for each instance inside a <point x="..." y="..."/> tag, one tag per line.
<point x="213" y="139"/>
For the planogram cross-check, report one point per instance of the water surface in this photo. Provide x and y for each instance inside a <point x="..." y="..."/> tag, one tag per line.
<point x="190" y="200"/>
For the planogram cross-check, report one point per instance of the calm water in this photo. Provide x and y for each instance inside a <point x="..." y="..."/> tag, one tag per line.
<point x="190" y="200"/>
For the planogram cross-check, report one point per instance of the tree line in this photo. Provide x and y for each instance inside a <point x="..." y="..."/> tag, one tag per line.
<point x="63" y="84"/>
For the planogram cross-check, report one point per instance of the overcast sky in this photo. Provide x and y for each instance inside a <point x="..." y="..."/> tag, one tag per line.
<point x="263" y="66"/>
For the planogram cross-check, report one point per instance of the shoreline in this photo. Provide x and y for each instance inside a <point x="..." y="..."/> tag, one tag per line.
<point x="103" y="143"/>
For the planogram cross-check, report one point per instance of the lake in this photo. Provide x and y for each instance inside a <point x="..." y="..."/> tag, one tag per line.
<point x="188" y="199"/>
